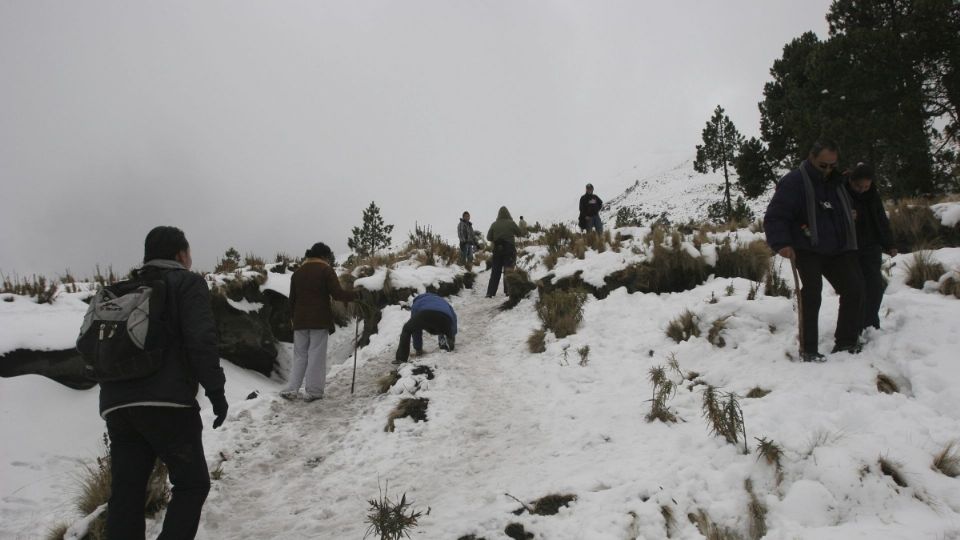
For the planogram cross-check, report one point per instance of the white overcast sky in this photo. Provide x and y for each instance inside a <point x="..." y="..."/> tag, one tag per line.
<point x="270" y="125"/>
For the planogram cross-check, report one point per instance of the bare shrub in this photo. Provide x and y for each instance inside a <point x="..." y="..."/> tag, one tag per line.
<point x="750" y="261"/>
<point x="947" y="460"/>
<point x="724" y="416"/>
<point x="537" y="342"/>
<point x="254" y="262"/>
<point x="914" y="226"/>
<point x="561" y="311"/>
<point x="390" y="520"/>
<point x="414" y="408"/>
<point x="775" y="285"/>
<point x="518" y="284"/>
<point x="683" y="327"/>
<point x="923" y="268"/>
<point x="228" y="263"/>
<point x="584" y="353"/>
<point x="558" y="239"/>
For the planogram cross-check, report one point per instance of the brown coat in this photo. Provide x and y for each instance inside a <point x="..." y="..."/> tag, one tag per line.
<point x="311" y="287"/>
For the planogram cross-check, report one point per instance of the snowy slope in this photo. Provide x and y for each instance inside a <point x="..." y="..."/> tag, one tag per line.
<point x="680" y="193"/>
<point x="503" y="420"/>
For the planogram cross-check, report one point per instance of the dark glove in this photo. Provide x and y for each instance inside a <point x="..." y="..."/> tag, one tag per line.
<point x="220" y="407"/>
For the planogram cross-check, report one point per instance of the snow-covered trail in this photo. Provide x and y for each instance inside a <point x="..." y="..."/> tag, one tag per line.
<point x="306" y="470"/>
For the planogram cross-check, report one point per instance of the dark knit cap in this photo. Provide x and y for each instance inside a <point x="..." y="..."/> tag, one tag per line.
<point x="320" y="251"/>
<point x="862" y="171"/>
<point x="164" y="242"/>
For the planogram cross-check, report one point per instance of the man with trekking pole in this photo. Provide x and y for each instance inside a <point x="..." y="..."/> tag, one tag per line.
<point x="809" y="221"/>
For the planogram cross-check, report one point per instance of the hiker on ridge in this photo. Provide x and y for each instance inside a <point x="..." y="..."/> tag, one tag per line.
<point x="873" y="238"/>
<point x="431" y="313"/>
<point x="467" y="242"/>
<point x="590" y="206"/>
<point x="810" y="221"/>
<point x="503" y="233"/>
<point x="311" y="287"/>
<point x="523" y="227"/>
<point x="157" y="416"/>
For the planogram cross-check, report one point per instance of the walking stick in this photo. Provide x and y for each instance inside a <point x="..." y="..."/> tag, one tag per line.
<point x="356" y="346"/>
<point x="796" y="288"/>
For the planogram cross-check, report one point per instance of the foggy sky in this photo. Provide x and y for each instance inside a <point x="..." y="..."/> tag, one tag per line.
<point x="268" y="126"/>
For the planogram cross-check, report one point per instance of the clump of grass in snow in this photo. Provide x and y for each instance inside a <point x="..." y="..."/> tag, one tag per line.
<point x="757" y="392"/>
<point x="57" y="532"/>
<point x="714" y="335"/>
<point x="923" y="268"/>
<point x="951" y="285"/>
<point x="947" y="460"/>
<point x="756" y="513"/>
<point x="886" y="385"/>
<point x="892" y="469"/>
<point x="669" y="521"/>
<point x="709" y="528"/>
<point x="775" y="285"/>
<point x="537" y="342"/>
<point x="772" y="454"/>
<point x="663" y="390"/>
<point x="390" y="520"/>
<point x="723" y="413"/>
<point x="584" y="353"/>
<point x="550" y="505"/>
<point x="385" y="383"/>
<point x="749" y="261"/>
<point x="518" y="285"/>
<point x="561" y="311"/>
<point x="414" y="408"/>
<point x="684" y="326"/>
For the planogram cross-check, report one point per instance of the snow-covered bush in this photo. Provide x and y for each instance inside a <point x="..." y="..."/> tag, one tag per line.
<point x="923" y="268"/>
<point x="684" y="326"/>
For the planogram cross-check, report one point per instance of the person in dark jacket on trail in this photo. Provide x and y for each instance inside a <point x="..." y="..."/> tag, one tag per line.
<point x="431" y="313"/>
<point x="590" y="206"/>
<point x="503" y="233"/>
<point x="311" y="287"/>
<point x="158" y="416"/>
<point x="810" y="221"/>
<point x="467" y="243"/>
<point x="873" y="238"/>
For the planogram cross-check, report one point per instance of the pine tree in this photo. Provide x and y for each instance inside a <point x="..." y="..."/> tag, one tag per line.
<point x="754" y="172"/>
<point x="373" y="235"/>
<point x="721" y="142"/>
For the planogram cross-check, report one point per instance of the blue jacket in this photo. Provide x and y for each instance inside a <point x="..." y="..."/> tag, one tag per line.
<point x="431" y="302"/>
<point x="786" y="220"/>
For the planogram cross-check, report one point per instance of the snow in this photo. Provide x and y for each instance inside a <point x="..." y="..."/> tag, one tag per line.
<point x="948" y="212"/>
<point x="502" y="420"/>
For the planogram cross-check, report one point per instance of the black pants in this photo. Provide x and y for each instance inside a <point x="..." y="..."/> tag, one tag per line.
<point x="138" y="436"/>
<point x="434" y="322"/>
<point x="843" y="273"/>
<point x="871" y="258"/>
<point x="504" y="257"/>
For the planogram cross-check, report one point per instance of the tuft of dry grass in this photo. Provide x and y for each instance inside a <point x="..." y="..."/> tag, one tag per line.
<point x="757" y="392"/>
<point x="724" y="416"/>
<point x="886" y="385"/>
<point x="684" y="326"/>
<point x="892" y="469"/>
<point x="715" y="334"/>
<point x="550" y="505"/>
<point x="56" y="532"/>
<point x="951" y="285"/>
<point x="749" y="262"/>
<point x="709" y="528"/>
<point x="584" y="353"/>
<point x="775" y="285"/>
<point x="537" y="342"/>
<point x="414" y="408"/>
<point x="914" y="226"/>
<point x="391" y="520"/>
<point x="756" y="513"/>
<point x="947" y="460"/>
<point x="669" y="521"/>
<point x="386" y="382"/>
<point x="561" y="311"/>
<point x="772" y="453"/>
<point x="518" y="285"/>
<point x="663" y="390"/>
<point x="923" y="268"/>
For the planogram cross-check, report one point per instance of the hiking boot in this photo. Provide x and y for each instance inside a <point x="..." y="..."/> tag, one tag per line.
<point x="311" y="397"/>
<point x="289" y="395"/>
<point x="812" y="357"/>
<point x="444" y="343"/>
<point x="853" y="348"/>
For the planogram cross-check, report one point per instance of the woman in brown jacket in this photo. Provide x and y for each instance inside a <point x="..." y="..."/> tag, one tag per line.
<point x="312" y="286"/>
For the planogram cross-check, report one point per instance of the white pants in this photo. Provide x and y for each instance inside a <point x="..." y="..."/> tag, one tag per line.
<point x="310" y="359"/>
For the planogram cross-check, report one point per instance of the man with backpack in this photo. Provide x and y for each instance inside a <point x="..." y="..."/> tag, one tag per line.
<point x="156" y="415"/>
<point x="503" y="233"/>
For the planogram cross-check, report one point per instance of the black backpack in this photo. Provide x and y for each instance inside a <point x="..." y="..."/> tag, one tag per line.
<point x="122" y="336"/>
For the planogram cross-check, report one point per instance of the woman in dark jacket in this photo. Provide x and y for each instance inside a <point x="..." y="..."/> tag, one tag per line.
<point x="873" y="238"/>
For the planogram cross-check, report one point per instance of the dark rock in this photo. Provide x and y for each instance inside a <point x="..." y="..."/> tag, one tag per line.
<point x="517" y="532"/>
<point x="245" y="339"/>
<point x="65" y="366"/>
<point x="253" y="395"/>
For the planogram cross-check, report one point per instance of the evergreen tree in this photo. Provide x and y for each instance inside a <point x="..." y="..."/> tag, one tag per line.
<point x="721" y="141"/>
<point x="373" y="235"/>
<point x="754" y="172"/>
